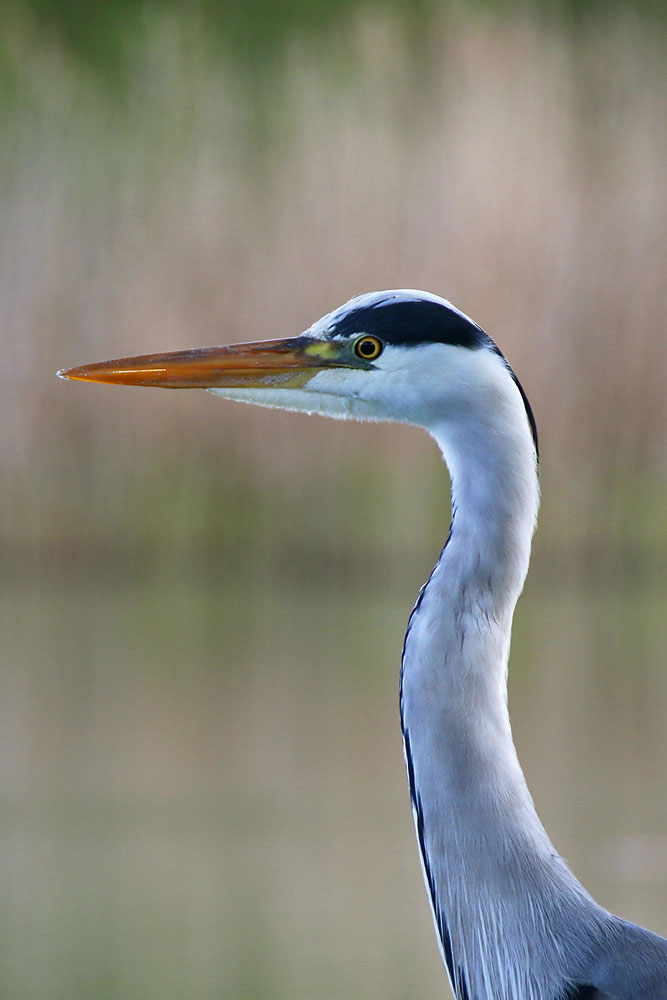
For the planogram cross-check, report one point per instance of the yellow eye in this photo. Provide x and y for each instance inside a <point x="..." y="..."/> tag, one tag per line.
<point x="368" y="348"/>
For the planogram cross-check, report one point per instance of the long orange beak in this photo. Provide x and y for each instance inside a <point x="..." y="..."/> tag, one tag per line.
<point x="269" y="363"/>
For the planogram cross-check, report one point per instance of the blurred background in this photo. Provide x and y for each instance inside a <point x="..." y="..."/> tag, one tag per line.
<point x="202" y="790"/>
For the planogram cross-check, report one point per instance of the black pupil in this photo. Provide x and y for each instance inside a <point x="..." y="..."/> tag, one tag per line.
<point x="367" y="348"/>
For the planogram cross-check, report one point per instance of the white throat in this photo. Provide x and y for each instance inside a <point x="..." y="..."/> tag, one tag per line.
<point x="491" y="858"/>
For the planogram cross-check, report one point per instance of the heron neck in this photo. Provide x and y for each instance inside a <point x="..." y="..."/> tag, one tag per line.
<point x="495" y="496"/>
<point x="458" y="641"/>
<point x="479" y="834"/>
<point x="457" y="646"/>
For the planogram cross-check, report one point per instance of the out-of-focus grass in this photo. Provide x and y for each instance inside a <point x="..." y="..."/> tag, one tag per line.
<point x="203" y="789"/>
<point x="522" y="176"/>
<point x="202" y="605"/>
<point x="203" y="782"/>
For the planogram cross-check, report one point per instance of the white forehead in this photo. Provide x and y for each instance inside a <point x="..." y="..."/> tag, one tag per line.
<point x="322" y="328"/>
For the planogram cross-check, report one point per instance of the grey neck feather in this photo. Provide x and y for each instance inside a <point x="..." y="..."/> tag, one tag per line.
<point x="498" y="888"/>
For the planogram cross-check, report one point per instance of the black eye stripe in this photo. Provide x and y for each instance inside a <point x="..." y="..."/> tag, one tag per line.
<point x="408" y="323"/>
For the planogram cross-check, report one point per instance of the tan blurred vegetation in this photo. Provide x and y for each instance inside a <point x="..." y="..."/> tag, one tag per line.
<point x="201" y="785"/>
<point x="507" y="165"/>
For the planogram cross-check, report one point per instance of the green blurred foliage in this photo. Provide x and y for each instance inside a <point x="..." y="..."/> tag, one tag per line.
<point x="253" y="32"/>
<point x="104" y="35"/>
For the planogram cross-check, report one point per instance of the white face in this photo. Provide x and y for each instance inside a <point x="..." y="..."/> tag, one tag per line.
<point x="426" y="384"/>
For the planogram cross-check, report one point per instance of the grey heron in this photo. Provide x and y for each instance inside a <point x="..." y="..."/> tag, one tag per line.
<point x="512" y="921"/>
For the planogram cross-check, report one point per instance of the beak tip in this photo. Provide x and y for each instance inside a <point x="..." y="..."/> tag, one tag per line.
<point x="76" y="374"/>
<point x="70" y="373"/>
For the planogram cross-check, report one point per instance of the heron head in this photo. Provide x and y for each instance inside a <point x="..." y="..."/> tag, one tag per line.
<point x="401" y="355"/>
